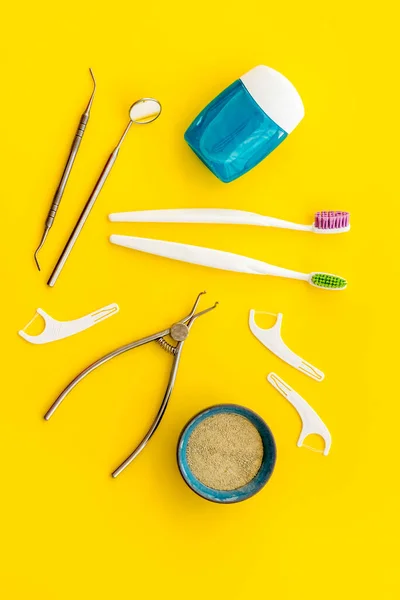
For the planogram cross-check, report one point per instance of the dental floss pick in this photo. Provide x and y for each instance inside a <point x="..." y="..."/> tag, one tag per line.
<point x="57" y="330"/>
<point x="271" y="338"/>
<point x="312" y="423"/>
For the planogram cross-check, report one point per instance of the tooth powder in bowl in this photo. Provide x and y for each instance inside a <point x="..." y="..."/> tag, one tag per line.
<point x="226" y="453"/>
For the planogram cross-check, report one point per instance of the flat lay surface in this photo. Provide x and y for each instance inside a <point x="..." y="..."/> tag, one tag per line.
<point x="323" y="526"/>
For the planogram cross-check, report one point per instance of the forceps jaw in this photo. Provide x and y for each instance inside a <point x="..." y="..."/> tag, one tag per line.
<point x="192" y="316"/>
<point x="201" y="313"/>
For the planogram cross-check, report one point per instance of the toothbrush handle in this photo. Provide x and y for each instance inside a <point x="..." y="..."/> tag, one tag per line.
<point x="204" y="215"/>
<point x="259" y="267"/>
<point x="206" y="257"/>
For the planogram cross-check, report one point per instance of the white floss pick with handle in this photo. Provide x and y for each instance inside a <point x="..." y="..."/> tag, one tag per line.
<point x="57" y="330"/>
<point x="312" y="423"/>
<point x="271" y="338"/>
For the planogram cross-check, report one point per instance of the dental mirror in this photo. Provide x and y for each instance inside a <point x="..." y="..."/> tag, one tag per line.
<point x="142" y="112"/>
<point x="145" y="111"/>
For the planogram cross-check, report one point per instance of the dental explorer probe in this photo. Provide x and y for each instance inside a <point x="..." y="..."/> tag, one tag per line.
<point x="142" y="112"/>
<point x="67" y="170"/>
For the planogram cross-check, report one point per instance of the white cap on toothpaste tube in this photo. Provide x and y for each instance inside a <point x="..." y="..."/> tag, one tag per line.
<point x="275" y="95"/>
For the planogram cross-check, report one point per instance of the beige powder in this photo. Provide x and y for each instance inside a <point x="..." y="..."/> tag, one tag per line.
<point x="225" y="451"/>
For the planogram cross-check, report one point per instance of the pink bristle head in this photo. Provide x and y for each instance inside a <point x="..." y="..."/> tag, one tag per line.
<point x="332" y="219"/>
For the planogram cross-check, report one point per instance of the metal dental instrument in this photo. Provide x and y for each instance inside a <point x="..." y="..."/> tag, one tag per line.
<point x="67" y="170"/>
<point x="142" y="112"/>
<point x="178" y="332"/>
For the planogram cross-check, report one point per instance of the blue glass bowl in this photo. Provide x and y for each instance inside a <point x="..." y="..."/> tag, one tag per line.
<point x="251" y="488"/>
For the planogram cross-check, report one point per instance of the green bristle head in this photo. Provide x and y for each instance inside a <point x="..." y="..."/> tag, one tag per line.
<point x="331" y="282"/>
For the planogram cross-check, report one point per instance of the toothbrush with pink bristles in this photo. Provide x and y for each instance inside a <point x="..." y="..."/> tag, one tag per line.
<point x="331" y="221"/>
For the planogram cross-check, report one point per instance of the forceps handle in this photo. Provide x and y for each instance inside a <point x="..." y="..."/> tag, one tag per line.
<point x="98" y="363"/>
<point x="159" y="416"/>
<point x="67" y="170"/>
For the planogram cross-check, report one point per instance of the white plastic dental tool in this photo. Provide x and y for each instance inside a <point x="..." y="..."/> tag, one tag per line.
<point x="312" y="423"/>
<point x="218" y="259"/>
<point x="331" y="221"/>
<point x="57" y="330"/>
<point x="271" y="338"/>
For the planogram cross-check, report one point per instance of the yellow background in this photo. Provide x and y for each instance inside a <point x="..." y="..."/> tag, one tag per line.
<point x="323" y="527"/>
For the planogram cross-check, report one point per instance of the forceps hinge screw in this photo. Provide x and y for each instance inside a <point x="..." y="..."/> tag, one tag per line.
<point x="179" y="332"/>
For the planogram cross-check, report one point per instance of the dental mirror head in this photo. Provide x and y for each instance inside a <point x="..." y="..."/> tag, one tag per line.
<point x="144" y="111"/>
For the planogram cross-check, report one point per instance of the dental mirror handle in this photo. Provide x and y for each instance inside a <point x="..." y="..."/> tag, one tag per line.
<point x="82" y="219"/>
<point x="67" y="170"/>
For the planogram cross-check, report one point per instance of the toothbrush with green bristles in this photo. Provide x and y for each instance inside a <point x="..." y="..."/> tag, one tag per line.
<point x="218" y="259"/>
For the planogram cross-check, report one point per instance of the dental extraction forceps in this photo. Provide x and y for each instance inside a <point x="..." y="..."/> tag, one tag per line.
<point x="179" y="332"/>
